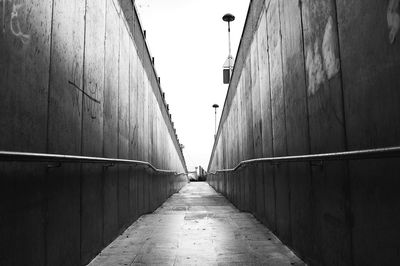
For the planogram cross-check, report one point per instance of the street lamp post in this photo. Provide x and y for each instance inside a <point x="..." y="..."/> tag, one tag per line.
<point x="215" y="106"/>
<point x="228" y="66"/>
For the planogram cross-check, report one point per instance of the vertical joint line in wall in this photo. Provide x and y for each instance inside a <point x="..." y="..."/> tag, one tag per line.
<point x="347" y="176"/>
<point x="129" y="130"/>
<point x="311" y="193"/>
<point x="47" y="135"/>
<point x="305" y="73"/>
<point x="270" y="114"/>
<point x="341" y="79"/>
<point x="82" y="117"/>
<point x="284" y="116"/>
<point x="49" y="80"/>
<point x="83" y="74"/>
<point x="118" y="168"/>
<point x="283" y="80"/>
<point x="103" y="102"/>
<point x="104" y="67"/>
<point x="270" y="89"/>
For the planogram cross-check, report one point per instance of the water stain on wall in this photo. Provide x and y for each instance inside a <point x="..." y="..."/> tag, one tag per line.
<point x="329" y="48"/>
<point x="393" y="19"/>
<point x="315" y="70"/>
<point x="14" y="24"/>
<point x="322" y="66"/>
<point x="91" y="103"/>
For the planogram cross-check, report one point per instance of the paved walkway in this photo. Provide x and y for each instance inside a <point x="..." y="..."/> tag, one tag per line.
<point x="197" y="227"/>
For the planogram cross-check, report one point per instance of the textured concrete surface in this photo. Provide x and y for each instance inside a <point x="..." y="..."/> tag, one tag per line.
<point x="75" y="77"/>
<point x="197" y="227"/>
<point x="306" y="81"/>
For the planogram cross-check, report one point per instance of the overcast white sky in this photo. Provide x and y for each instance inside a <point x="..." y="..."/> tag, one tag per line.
<point x="189" y="41"/>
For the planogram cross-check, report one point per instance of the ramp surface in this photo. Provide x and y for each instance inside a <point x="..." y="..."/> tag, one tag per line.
<point x="197" y="226"/>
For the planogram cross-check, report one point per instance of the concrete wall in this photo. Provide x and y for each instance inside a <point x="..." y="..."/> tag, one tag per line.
<point x="76" y="78"/>
<point x="315" y="77"/>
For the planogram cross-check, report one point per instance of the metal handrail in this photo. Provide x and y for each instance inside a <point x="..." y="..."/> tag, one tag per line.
<point x="335" y="156"/>
<point x="59" y="158"/>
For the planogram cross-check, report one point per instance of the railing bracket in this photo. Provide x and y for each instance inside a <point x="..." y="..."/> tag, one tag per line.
<point x="108" y="165"/>
<point x="317" y="163"/>
<point x="54" y="165"/>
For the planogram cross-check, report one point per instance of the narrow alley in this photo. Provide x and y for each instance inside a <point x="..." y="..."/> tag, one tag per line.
<point x="197" y="226"/>
<point x="98" y="143"/>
